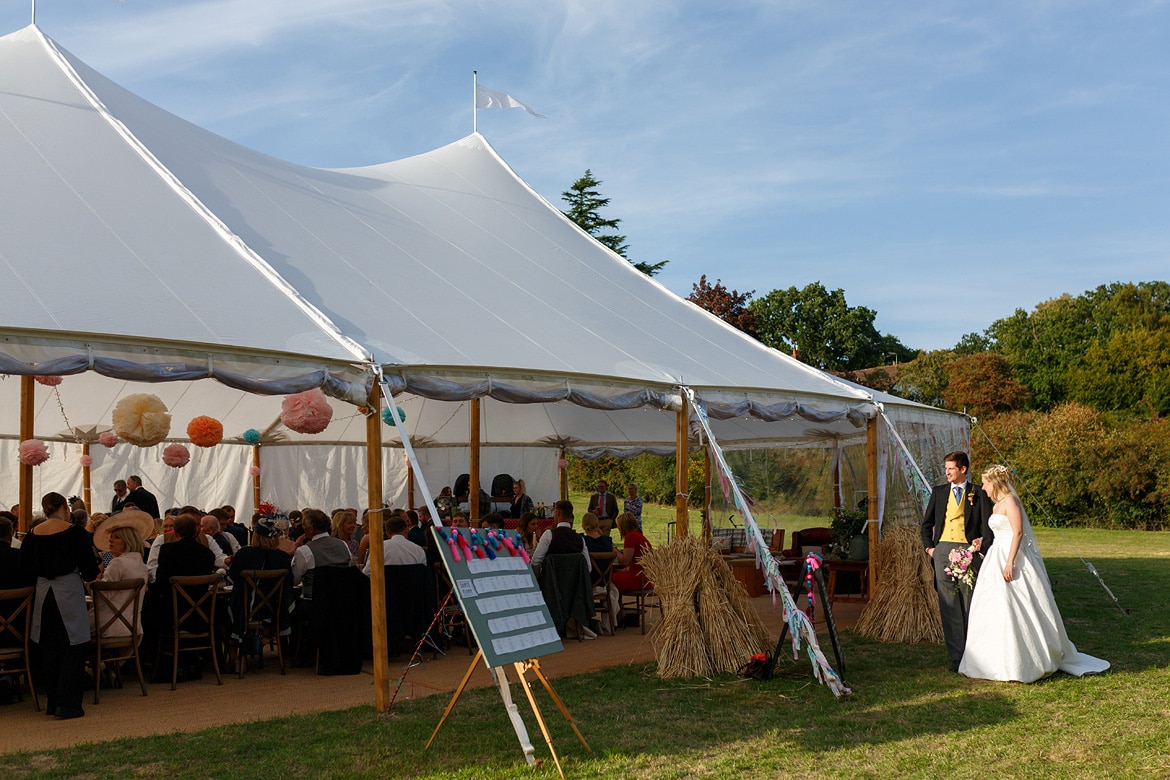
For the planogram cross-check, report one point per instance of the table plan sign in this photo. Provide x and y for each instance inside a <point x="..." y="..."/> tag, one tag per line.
<point x="500" y="597"/>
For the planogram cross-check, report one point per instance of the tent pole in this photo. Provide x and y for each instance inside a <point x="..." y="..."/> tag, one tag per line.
<point x="681" y="459"/>
<point x="707" y="519"/>
<point x="86" y="484"/>
<point x="27" y="393"/>
<point x="409" y="484"/>
<point x="256" y="478"/>
<point x="473" y="467"/>
<point x="562" y="475"/>
<point x="377" y="572"/>
<point x="871" y="468"/>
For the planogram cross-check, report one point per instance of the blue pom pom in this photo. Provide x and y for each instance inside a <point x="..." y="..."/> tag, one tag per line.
<point x="387" y="415"/>
<point x="401" y="414"/>
<point x="252" y="436"/>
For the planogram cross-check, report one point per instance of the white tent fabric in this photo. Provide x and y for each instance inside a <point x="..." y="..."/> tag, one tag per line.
<point x="138" y="248"/>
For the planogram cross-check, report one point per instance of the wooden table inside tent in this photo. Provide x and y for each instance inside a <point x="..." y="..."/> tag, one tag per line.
<point x="836" y="566"/>
<point x="743" y="568"/>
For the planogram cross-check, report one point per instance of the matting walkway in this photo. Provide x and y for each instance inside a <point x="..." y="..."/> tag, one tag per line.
<point x="265" y="694"/>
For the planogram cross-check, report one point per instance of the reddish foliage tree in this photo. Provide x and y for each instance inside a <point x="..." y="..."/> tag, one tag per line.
<point x="728" y="305"/>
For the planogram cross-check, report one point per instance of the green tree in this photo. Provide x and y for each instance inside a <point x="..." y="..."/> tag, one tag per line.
<point x="824" y="329"/>
<point x="926" y="378"/>
<point x="728" y="305"/>
<point x="585" y="205"/>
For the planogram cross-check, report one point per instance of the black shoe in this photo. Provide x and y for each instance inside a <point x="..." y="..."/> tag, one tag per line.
<point x="7" y="691"/>
<point x="68" y="713"/>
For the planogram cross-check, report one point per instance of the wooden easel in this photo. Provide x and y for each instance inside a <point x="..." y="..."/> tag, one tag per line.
<point x="513" y="713"/>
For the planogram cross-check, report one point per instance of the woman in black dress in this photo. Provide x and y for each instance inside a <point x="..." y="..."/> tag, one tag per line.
<point x="61" y="557"/>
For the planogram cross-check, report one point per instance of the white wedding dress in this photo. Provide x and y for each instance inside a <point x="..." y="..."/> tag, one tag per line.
<point x="1015" y="631"/>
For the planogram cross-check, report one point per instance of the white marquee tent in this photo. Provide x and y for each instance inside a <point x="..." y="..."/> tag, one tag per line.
<point x="138" y="248"/>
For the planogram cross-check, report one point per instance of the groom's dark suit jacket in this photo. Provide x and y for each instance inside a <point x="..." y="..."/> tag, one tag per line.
<point x="976" y="510"/>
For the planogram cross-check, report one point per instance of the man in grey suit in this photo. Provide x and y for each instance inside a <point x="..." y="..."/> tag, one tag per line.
<point x="955" y="517"/>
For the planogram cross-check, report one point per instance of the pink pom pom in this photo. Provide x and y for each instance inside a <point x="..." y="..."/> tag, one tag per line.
<point x="562" y="464"/>
<point x="176" y="456"/>
<point x="306" y="412"/>
<point x="48" y="381"/>
<point x="254" y="471"/>
<point x="86" y="461"/>
<point x="108" y="439"/>
<point x="33" y="452"/>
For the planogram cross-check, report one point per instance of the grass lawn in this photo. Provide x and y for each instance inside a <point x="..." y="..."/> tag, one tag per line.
<point x="908" y="716"/>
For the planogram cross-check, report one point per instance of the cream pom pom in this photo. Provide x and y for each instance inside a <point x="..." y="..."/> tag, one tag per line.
<point x="141" y="419"/>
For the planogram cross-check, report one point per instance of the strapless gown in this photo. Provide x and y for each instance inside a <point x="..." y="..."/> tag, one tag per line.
<point x="1015" y="631"/>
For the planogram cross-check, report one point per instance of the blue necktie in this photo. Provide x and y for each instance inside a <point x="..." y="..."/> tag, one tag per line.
<point x="958" y="495"/>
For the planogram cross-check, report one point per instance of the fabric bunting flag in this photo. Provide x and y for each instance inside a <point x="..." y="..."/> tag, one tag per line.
<point x="490" y="98"/>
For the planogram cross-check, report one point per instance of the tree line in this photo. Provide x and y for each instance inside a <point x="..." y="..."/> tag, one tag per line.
<point x="1074" y="393"/>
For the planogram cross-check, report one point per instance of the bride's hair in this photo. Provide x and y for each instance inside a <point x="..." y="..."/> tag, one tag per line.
<point x="998" y="481"/>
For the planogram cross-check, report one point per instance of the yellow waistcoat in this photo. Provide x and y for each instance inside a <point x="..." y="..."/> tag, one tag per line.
<point x="955" y="528"/>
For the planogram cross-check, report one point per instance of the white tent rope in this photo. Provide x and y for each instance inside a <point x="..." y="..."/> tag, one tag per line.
<point x="799" y="625"/>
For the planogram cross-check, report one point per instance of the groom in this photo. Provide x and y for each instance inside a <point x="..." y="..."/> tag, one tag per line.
<point x="955" y="517"/>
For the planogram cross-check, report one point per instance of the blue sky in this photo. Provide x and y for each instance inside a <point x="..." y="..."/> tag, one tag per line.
<point x="943" y="163"/>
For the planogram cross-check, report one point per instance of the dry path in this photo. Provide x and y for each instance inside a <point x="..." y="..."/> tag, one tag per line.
<point x="265" y="694"/>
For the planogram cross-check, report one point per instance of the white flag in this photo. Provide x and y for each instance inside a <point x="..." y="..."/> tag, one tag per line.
<point x="490" y="98"/>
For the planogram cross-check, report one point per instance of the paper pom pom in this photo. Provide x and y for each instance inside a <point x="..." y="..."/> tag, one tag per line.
<point x="306" y="412"/>
<point x="176" y="456"/>
<point x="86" y="461"/>
<point x="388" y="417"/>
<point x="562" y="464"/>
<point x="33" y="452"/>
<point x="205" y="431"/>
<point x="254" y="471"/>
<point x="108" y="439"/>
<point x="252" y="436"/>
<point x="48" y="381"/>
<point x="142" y="419"/>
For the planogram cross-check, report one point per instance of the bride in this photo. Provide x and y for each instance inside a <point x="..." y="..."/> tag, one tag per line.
<point x="1015" y="631"/>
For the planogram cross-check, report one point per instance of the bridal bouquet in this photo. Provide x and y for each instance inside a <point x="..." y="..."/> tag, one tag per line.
<point x="960" y="567"/>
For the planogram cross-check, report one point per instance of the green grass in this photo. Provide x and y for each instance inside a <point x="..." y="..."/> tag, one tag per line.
<point x="908" y="716"/>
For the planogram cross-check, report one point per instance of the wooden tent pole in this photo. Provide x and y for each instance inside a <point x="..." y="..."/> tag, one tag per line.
<point x="374" y="521"/>
<point x="256" y="478"/>
<point x="562" y="475"/>
<point x="473" y="467"/>
<point x="86" y="485"/>
<point x="871" y="468"/>
<point x="681" y="458"/>
<point x="27" y="394"/>
<point x="708" y="521"/>
<point x="409" y="484"/>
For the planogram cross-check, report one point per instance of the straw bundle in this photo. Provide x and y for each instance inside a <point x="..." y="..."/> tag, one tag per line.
<point x="904" y="605"/>
<point x="708" y="622"/>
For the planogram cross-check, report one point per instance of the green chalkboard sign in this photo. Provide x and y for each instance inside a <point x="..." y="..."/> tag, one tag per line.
<point x="498" y="593"/>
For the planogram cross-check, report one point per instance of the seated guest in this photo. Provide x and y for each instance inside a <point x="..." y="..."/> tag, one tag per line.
<point x="561" y="538"/>
<point x="316" y="548"/>
<point x="595" y="540"/>
<point x="122" y="534"/>
<point x="224" y="545"/>
<point x="263" y="553"/>
<point x="459" y="520"/>
<point x="227" y="520"/>
<point x="634" y="546"/>
<point x="11" y="575"/>
<point x="167" y="534"/>
<point x="416" y="527"/>
<point x="526" y="527"/>
<point x="295" y="525"/>
<point x="184" y="556"/>
<point x="492" y="520"/>
<point x="344" y="526"/>
<point x="397" y="550"/>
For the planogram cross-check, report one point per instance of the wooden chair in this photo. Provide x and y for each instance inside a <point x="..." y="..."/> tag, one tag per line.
<point x="264" y="615"/>
<point x="600" y="576"/>
<point x="15" y="618"/>
<point x="193" y="602"/>
<point x="116" y="608"/>
<point x="640" y="600"/>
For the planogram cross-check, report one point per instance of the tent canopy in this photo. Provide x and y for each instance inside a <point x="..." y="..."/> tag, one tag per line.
<point x="148" y="249"/>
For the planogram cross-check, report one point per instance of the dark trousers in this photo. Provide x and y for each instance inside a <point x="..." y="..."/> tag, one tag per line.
<point x="62" y="664"/>
<point x="953" y="605"/>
